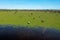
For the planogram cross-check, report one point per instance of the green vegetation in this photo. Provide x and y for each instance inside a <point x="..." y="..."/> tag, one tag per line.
<point x="30" y="18"/>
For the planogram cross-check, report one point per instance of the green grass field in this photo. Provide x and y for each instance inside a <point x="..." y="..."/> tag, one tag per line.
<point x="30" y="18"/>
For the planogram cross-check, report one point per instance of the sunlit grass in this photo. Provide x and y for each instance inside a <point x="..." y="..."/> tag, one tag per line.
<point x="50" y="20"/>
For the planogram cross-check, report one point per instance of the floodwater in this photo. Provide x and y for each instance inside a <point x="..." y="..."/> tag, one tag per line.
<point x="8" y="32"/>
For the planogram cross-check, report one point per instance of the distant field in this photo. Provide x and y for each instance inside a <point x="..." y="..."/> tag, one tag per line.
<point x="30" y="18"/>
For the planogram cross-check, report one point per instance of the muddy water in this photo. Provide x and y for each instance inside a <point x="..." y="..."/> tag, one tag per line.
<point x="23" y="33"/>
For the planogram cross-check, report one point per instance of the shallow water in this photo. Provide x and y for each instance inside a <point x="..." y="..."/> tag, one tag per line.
<point x="8" y="32"/>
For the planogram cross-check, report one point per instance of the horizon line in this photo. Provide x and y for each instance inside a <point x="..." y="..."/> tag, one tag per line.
<point x="29" y="9"/>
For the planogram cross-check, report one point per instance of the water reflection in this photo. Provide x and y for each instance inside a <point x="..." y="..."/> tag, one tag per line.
<point x="22" y="33"/>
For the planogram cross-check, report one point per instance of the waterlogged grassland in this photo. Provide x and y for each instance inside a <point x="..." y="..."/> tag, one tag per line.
<point x="30" y="18"/>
